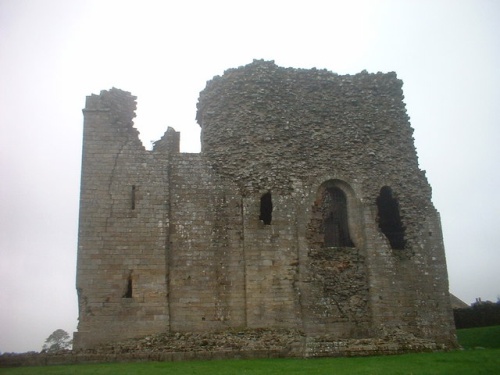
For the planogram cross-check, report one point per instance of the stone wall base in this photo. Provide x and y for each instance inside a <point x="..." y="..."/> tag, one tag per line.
<point x="248" y="344"/>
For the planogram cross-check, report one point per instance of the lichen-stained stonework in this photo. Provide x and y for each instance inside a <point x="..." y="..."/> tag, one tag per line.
<point x="305" y="210"/>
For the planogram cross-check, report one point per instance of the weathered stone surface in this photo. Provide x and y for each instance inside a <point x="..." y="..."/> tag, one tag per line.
<point x="229" y="344"/>
<point x="230" y="340"/>
<point x="279" y="223"/>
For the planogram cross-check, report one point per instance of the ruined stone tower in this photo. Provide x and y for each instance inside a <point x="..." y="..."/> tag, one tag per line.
<point x="305" y="210"/>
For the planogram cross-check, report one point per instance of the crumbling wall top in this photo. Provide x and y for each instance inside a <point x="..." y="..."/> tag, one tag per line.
<point x="121" y="105"/>
<point x="113" y="109"/>
<point x="264" y="125"/>
<point x="169" y="142"/>
<point x="264" y="72"/>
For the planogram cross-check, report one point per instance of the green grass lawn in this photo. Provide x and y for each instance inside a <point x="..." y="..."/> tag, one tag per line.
<point x="484" y="337"/>
<point x="466" y="362"/>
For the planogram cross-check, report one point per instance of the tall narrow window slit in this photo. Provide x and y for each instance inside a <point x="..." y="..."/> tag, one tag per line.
<point x="266" y="208"/>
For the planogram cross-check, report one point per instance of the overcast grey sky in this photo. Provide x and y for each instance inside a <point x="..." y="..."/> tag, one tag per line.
<point x="53" y="53"/>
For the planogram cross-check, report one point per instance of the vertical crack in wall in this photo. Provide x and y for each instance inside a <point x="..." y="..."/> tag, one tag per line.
<point x="168" y="245"/>
<point x="112" y="178"/>
<point x="244" y="261"/>
<point x="220" y="246"/>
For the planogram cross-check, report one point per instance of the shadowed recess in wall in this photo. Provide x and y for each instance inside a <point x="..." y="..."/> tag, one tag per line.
<point x="266" y="208"/>
<point x="389" y="220"/>
<point x="335" y="227"/>
<point x="128" y="290"/>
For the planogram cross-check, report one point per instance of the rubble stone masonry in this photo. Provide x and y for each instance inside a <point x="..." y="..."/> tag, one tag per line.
<point x="305" y="210"/>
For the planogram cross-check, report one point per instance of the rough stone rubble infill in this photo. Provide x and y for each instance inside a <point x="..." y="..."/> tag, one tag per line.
<point x="231" y="344"/>
<point x="233" y="340"/>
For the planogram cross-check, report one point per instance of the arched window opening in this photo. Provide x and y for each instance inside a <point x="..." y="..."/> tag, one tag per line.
<point x="266" y="208"/>
<point x="335" y="226"/>
<point x="389" y="220"/>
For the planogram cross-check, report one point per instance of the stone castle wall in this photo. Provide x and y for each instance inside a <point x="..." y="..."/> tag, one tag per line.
<point x="305" y="210"/>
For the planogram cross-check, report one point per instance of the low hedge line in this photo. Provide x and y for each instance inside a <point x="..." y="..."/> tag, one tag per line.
<point x="482" y="314"/>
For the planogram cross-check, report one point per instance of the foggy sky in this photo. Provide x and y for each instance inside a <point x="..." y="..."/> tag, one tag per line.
<point x="53" y="53"/>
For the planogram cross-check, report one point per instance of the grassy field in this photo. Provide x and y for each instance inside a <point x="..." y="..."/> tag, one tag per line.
<point x="481" y="356"/>
<point x="484" y="337"/>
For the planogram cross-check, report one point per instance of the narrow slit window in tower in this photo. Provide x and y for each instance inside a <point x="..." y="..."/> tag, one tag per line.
<point x="128" y="291"/>
<point x="389" y="220"/>
<point x="133" y="198"/>
<point x="266" y="208"/>
<point x="335" y="225"/>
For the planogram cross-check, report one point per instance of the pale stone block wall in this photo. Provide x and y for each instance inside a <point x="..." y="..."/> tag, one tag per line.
<point x="234" y="237"/>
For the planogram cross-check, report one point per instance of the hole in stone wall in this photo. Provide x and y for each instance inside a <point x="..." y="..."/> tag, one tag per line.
<point x="128" y="291"/>
<point x="389" y="220"/>
<point x="335" y="227"/>
<point x="266" y="208"/>
<point x="133" y="198"/>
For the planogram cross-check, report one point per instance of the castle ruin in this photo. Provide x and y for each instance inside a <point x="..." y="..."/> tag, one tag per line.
<point x="305" y="210"/>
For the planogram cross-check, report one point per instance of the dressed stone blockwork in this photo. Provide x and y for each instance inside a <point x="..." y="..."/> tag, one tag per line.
<point x="305" y="210"/>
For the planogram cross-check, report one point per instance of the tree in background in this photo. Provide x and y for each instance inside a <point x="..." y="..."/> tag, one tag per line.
<point x="58" y="340"/>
